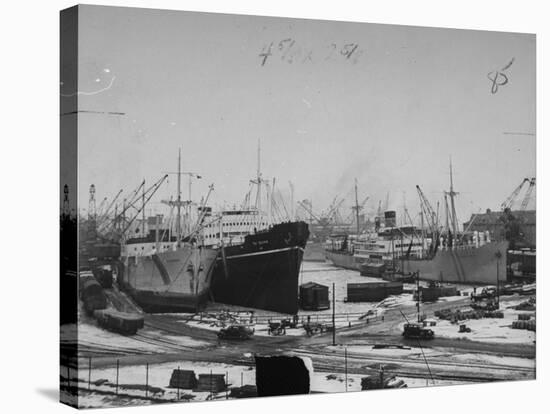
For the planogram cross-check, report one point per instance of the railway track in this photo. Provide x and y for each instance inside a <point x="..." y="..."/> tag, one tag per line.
<point x="431" y="361"/>
<point x="442" y="370"/>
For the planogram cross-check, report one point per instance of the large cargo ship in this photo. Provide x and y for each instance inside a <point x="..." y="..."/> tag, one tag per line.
<point x="164" y="270"/>
<point x="260" y="256"/>
<point x="441" y="253"/>
<point x="474" y="261"/>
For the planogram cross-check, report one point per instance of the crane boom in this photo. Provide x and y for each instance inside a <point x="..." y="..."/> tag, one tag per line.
<point x="105" y="214"/>
<point x="101" y="206"/>
<point x="127" y="206"/>
<point x="147" y="195"/>
<point x="334" y="209"/>
<point x="527" y="196"/>
<point x="308" y="210"/>
<point x="428" y="210"/>
<point x="509" y="202"/>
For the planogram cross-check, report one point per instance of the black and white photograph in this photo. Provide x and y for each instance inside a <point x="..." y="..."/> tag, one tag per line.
<point x="265" y="206"/>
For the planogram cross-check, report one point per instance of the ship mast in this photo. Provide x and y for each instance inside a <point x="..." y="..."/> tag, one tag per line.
<point x="452" y="195"/>
<point x="178" y="205"/>
<point x="291" y="200"/>
<point x="422" y="231"/>
<point x="259" y="181"/>
<point x="356" y="208"/>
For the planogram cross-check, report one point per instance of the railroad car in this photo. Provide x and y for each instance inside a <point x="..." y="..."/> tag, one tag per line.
<point x="91" y="294"/>
<point x="120" y="322"/>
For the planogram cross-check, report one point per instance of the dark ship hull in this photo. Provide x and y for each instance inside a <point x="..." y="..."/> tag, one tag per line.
<point x="263" y="271"/>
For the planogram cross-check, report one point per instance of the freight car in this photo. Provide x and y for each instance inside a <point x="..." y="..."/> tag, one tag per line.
<point x="91" y="293"/>
<point x="120" y="322"/>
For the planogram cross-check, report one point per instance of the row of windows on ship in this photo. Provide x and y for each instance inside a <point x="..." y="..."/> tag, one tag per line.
<point x="216" y="235"/>
<point x="208" y="236"/>
<point x="396" y="246"/>
<point x="235" y="223"/>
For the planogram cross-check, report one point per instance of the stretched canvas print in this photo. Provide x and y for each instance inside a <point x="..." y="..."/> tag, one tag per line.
<point x="258" y="206"/>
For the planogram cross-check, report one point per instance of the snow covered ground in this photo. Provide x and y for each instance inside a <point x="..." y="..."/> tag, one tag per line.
<point x="159" y="377"/>
<point x="491" y="329"/>
<point x="383" y="352"/>
<point x="93" y="336"/>
<point x="495" y="359"/>
<point x="436" y="354"/>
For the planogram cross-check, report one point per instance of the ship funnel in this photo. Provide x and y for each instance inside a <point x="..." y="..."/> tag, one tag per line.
<point x="389" y="218"/>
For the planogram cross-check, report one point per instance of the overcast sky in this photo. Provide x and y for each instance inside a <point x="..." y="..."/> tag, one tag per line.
<point x="330" y="102"/>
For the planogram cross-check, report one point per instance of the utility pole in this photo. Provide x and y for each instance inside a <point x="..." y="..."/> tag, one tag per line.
<point x="498" y="255"/>
<point x="178" y="216"/>
<point x="333" y="316"/>
<point x="117" y="368"/>
<point x="146" y="380"/>
<point x="418" y="295"/>
<point x="346" y="366"/>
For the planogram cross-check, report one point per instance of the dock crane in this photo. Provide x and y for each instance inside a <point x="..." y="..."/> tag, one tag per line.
<point x="428" y="211"/>
<point x="101" y="207"/>
<point x="324" y="220"/>
<point x="91" y="204"/>
<point x="146" y="195"/>
<point x="333" y="210"/>
<point x="432" y="217"/>
<point x="512" y="224"/>
<point x="105" y="214"/>
<point x="509" y="202"/>
<point x="528" y="193"/>
<point x="308" y="210"/>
